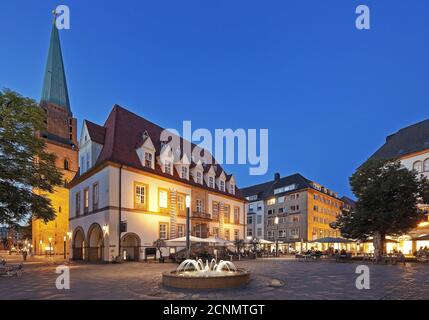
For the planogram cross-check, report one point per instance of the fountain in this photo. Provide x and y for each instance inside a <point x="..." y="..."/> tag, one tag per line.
<point x="195" y="274"/>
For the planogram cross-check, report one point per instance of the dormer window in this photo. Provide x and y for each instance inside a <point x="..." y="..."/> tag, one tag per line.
<point x="231" y="189"/>
<point x="145" y="135"/>
<point x="184" y="172"/>
<point x="199" y="177"/>
<point x="222" y="185"/>
<point x="148" y="158"/>
<point x="167" y="166"/>
<point x="211" y="182"/>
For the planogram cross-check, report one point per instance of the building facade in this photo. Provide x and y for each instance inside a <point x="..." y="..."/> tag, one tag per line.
<point x="131" y="190"/>
<point x="61" y="139"/>
<point x="296" y="210"/>
<point x="411" y="146"/>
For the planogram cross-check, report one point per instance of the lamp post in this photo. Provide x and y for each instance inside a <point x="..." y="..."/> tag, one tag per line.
<point x="276" y="222"/>
<point x="188" y="226"/>
<point x="65" y="251"/>
<point x="50" y="246"/>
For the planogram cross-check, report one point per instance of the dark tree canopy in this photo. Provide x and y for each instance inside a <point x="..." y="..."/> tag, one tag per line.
<point x="387" y="201"/>
<point x="24" y="164"/>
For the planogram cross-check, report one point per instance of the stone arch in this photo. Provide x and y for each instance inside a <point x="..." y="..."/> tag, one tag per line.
<point x="95" y="244"/>
<point x="78" y="244"/>
<point x="130" y="247"/>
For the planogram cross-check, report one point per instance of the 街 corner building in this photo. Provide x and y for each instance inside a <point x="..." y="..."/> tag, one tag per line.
<point x="124" y="179"/>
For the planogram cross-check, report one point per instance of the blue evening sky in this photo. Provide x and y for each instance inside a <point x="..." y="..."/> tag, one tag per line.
<point x="328" y="93"/>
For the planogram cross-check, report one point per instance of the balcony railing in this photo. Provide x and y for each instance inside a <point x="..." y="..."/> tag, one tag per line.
<point x="201" y="215"/>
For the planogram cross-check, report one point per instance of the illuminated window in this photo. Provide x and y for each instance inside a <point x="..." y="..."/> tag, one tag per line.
<point x="272" y="201"/>
<point x="236" y="215"/>
<point x="226" y="213"/>
<point x="163" y="199"/>
<point x="85" y="201"/>
<point x="95" y="196"/>
<point x="140" y="192"/>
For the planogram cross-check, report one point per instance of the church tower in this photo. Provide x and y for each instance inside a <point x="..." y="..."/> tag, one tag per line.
<point x="61" y="139"/>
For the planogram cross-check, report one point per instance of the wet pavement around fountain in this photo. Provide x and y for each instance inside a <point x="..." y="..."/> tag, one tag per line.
<point x="271" y="279"/>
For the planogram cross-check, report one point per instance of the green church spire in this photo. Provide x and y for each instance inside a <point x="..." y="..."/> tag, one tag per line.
<point x="54" y="84"/>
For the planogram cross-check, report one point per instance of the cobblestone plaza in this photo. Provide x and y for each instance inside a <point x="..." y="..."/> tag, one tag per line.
<point x="134" y="280"/>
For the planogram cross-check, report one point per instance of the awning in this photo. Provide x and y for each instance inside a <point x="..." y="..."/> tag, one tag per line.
<point x="422" y="237"/>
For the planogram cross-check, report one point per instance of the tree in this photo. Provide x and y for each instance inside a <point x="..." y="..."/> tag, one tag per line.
<point x="239" y="243"/>
<point x="387" y="202"/>
<point x="159" y="244"/>
<point x="24" y="165"/>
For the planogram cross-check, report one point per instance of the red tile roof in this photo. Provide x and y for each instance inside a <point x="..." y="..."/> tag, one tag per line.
<point x="123" y="132"/>
<point x="96" y="132"/>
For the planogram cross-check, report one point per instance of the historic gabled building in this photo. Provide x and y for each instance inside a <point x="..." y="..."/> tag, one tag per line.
<point x="411" y="146"/>
<point x="130" y="177"/>
<point x="303" y="209"/>
<point x="61" y="139"/>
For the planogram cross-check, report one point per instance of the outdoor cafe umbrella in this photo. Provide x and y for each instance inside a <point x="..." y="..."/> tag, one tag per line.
<point x="263" y="241"/>
<point x="332" y="240"/>
<point x="183" y="239"/>
<point x="218" y="241"/>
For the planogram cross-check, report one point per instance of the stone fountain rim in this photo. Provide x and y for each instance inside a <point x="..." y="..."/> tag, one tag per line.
<point x="239" y="272"/>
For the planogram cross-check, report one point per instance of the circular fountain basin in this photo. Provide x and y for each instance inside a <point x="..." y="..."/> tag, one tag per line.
<point x="210" y="280"/>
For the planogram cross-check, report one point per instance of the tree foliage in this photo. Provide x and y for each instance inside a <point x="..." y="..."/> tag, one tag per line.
<point x="24" y="165"/>
<point x="387" y="201"/>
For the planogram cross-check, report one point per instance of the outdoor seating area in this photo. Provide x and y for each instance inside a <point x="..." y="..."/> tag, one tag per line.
<point x="8" y="270"/>
<point x="422" y="255"/>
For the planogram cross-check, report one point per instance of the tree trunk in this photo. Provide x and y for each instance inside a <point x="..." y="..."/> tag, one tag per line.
<point x="379" y="245"/>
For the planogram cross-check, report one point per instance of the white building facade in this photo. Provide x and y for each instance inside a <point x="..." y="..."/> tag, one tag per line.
<point x="125" y="198"/>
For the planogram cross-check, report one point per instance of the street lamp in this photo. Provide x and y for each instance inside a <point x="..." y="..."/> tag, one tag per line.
<point x="65" y="251"/>
<point x="188" y="225"/>
<point x="50" y="246"/>
<point x="276" y="222"/>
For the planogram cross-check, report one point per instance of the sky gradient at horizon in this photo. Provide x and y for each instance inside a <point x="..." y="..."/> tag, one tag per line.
<point x="328" y="93"/>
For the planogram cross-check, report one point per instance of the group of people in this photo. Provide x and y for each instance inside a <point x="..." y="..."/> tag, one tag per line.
<point x="422" y="252"/>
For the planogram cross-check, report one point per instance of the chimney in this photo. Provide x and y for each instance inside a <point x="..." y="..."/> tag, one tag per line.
<point x="276" y="176"/>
